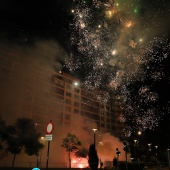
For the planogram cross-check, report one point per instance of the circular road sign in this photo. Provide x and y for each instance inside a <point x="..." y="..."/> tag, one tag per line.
<point x="50" y="128"/>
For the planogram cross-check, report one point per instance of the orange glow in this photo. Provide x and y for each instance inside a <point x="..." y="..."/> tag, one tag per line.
<point x="80" y="163"/>
<point x="80" y="166"/>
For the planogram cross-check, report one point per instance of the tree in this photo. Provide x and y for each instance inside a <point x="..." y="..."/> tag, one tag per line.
<point x="93" y="158"/>
<point x="29" y="136"/>
<point x="71" y="144"/>
<point x="22" y="135"/>
<point x="2" y="134"/>
<point x="82" y="153"/>
<point x="13" y="141"/>
<point x="2" y="131"/>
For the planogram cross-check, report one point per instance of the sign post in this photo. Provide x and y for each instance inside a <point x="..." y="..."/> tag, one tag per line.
<point x="48" y="137"/>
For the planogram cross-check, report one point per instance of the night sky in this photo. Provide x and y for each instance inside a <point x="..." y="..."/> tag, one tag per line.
<point x="25" y="22"/>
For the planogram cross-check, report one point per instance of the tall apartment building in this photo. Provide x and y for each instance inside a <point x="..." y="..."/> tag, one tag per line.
<point x="40" y="93"/>
<point x="31" y="90"/>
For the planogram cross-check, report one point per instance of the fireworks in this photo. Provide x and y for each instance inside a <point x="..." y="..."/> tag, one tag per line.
<point x="112" y="52"/>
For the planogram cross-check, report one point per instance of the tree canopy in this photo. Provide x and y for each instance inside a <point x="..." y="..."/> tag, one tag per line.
<point x="82" y="153"/>
<point x="20" y="136"/>
<point x="71" y="143"/>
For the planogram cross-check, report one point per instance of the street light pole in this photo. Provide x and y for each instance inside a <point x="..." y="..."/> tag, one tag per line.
<point x="136" y="149"/>
<point x="94" y="138"/>
<point x="149" y="144"/>
<point x="156" y="150"/>
<point x="168" y="158"/>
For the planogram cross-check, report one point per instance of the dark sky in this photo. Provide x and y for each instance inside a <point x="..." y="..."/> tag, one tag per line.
<point x="24" y="22"/>
<point x="27" y="21"/>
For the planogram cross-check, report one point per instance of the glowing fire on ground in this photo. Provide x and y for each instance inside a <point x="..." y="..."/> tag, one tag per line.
<point x="80" y="163"/>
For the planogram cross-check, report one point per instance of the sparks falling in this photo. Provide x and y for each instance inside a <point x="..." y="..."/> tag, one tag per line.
<point x="113" y="53"/>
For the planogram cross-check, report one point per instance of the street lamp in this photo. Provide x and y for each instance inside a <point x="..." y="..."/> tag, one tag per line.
<point x="136" y="143"/>
<point x="139" y="132"/>
<point x="149" y="144"/>
<point x="156" y="150"/>
<point x="94" y="138"/>
<point x="42" y="139"/>
<point x="168" y="158"/>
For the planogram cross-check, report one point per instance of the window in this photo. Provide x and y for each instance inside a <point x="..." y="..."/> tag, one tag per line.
<point x="102" y="125"/>
<point x="108" y="114"/>
<point x="68" y="94"/>
<point x="113" y="128"/>
<point x="68" y="101"/>
<point x="76" y="97"/>
<point x="76" y="90"/>
<point x="102" y="118"/>
<point x="68" y="87"/>
<point x="107" y="107"/>
<point x="108" y="120"/>
<point x="57" y="90"/>
<point x="108" y="126"/>
<point x="102" y="112"/>
<point x="76" y="104"/>
<point x="58" y="82"/>
<point x="76" y="111"/>
<point x="68" y="109"/>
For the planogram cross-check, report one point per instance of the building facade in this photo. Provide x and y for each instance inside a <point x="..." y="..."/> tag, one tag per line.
<point x="29" y="89"/>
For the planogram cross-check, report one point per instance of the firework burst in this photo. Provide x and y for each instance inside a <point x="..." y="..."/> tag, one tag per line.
<point x="107" y="36"/>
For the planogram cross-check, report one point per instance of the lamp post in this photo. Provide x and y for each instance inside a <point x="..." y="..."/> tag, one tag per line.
<point x="149" y="144"/>
<point x="168" y="158"/>
<point x="136" y="149"/>
<point x="156" y="150"/>
<point x="94" y="138"/>
<point x="40" y="155"/>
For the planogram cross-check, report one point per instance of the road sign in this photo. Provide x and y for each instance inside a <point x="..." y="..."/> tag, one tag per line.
<point x="50" y="128"/>
<point x="49" y="137"/>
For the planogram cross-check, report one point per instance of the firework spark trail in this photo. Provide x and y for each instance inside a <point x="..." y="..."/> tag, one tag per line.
<point x="106" y="40"/>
